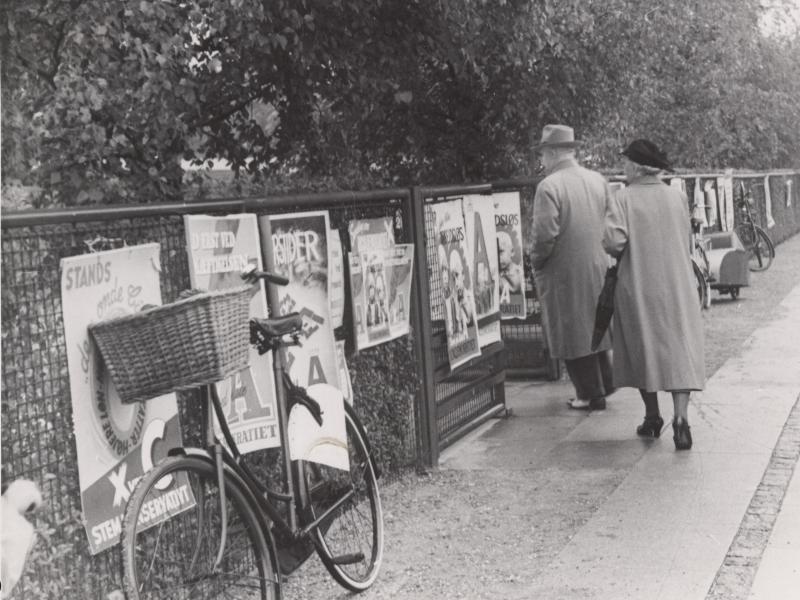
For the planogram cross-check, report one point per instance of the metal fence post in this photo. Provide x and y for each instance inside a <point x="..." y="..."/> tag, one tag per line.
<point x="426" y="402"/>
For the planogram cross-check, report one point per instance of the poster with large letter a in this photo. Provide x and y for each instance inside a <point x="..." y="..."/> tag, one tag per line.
<point x="219" y="248"/>
<point x="298" y="250"/>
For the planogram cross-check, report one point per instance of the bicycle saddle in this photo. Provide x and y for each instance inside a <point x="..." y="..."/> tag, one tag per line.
<point x="280" y="326"/>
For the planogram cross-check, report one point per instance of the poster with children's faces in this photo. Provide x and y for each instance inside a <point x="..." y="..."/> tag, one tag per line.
<point x="380" y="284"/>
<point x="376" y="314"/>
<point x="508" y="225"/>
<point x="461" y="324"/>
<point x="479" y="218"/>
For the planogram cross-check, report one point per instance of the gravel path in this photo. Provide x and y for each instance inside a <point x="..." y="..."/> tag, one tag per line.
<point x="468" y="534"/>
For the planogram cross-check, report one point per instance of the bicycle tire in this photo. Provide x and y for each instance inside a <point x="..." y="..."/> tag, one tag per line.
<point x="762" y="251"/>
<point x="355" y="528"/>
<point x="703" y="286"/>
<point x="173" y="558"/>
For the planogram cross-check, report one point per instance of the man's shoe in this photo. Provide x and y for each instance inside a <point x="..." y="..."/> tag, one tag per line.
<point x="593" y="404"/>
<point x="597" y="404"/>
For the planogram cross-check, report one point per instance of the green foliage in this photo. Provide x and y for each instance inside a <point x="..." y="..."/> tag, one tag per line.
<point x="385" y="386"/>
<point x="103" y="99"/>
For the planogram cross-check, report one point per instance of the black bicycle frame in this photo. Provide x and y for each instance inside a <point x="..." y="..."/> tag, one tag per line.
<point x="231" y="457"/>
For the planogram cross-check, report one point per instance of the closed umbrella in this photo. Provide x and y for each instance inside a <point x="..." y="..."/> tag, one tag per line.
<point x="605" y="307"/>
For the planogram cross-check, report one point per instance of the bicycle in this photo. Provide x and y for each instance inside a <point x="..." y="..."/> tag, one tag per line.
<point x="755" y="240"/>
<point x="700" y="264"/>
<point x="224" y="534"/>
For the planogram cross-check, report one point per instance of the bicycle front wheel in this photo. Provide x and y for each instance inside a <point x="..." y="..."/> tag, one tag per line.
<point x="171" y="536"/>
<point x="762" y="251"/>
<point x="350" y="539"/>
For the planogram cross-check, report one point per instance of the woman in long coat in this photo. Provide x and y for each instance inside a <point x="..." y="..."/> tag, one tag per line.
<point x="658" y="330"/>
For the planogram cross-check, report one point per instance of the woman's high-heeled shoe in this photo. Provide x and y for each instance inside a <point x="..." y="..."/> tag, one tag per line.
<point x="650" y="427"/>
<point x="683" y="435"/>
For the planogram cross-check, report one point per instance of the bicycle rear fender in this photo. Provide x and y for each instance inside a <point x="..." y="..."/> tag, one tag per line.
<point x="328" y="396"/>
<point x="310" y="441"/>
<point x="206" y="456"/>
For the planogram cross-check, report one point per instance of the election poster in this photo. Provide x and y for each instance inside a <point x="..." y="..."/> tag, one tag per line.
<point x="298" y="250"/>
<point x="509" y="255"/>
<point x="336" y="284"/>
<point x="297" y="247"/>
<point x="727" y="186"/>
<point x="380" y="283"/>
<point x="357" y="299"/>
<point x="219" y="249"/>
<point x="712" y="209"/>
<point x="479" y="218"/>
<point x="375" y="287"/>
<point x="725" y="220"/>
<point x="345" y="384"/>
<point x="116" y="443"/>
<point x="461" y="325"/>
<point x="399" y="261"/>
<point x="370" y="234"/>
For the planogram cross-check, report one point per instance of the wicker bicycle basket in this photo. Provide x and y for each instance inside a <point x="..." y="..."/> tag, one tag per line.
<point x="198" y="340"/>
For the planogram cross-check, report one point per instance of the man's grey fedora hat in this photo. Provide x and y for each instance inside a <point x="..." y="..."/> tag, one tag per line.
<point x="557" y="136"/>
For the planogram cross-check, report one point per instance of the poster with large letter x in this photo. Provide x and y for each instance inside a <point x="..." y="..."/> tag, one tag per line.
<point x="116" y="443"/>
<point x="298" y="250"/>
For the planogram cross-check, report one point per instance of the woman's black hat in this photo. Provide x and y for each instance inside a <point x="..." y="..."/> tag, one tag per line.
<point x="645" y="152"/>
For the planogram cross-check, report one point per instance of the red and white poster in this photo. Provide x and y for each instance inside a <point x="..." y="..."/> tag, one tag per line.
<point x="482" y="245"/>
<point x="219" y="249"/>
<point x="508" y="225"/>
<point x="116" y="443"/>
<point x="461" y="324"/>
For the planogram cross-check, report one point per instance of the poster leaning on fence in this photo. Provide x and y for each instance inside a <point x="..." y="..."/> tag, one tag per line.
<point x="461" y="323"/>
<point x="380" y="282"/>
<point x="508" y="224"/>
<point x="218" y="249"/>
<point x="116" y="443"/>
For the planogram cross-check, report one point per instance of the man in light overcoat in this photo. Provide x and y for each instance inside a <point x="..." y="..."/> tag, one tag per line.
<point x="564" y="241"/>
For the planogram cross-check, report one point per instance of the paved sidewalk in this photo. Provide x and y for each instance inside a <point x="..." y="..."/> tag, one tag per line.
<point x="780" y="565"/>
<point x="665" y="531"/>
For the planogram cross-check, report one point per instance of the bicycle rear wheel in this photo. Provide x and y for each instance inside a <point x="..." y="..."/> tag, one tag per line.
<point x="171" y="535"/>
<point x="762" y="251"/>
<point x="703" y="286"/>
<point x="350" y="540"/>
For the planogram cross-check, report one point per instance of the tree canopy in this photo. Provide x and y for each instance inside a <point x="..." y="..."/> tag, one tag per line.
<point x="103" y="99"/>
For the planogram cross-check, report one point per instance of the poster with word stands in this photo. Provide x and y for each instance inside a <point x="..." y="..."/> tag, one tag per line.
<point x="116" y="443"/>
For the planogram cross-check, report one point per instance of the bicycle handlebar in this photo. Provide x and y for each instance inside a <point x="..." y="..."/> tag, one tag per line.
<point x="252" y="274"/>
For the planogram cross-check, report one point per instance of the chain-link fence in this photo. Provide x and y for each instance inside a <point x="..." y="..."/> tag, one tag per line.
<point x="37" y="430"/>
